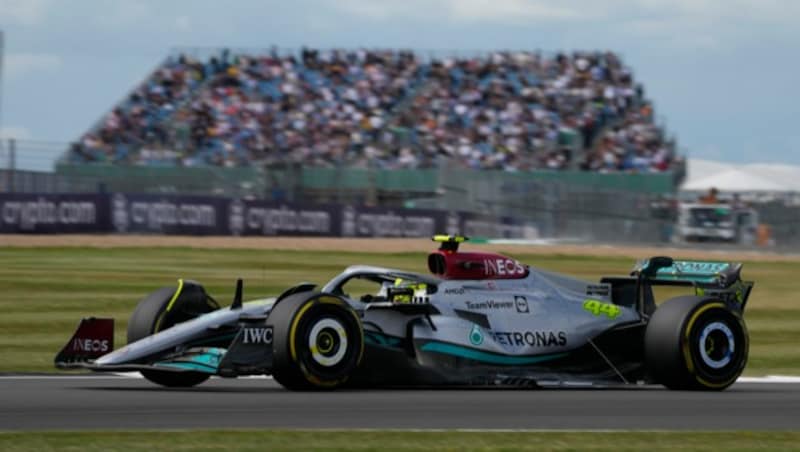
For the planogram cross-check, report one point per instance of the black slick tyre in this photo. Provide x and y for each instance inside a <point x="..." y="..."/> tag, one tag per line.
<point x="318" y="341"/>
<point x="151" y="316"/>
<point x="696" y="343"/>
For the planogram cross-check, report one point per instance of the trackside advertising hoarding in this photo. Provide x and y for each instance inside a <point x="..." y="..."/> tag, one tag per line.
<point x="247" y="217"/>
<point x="168" y="214"/>
<point x="266" y="218"/>
<point x="381" y="222"/>
<point x="53" y="213"/>
<point x="206" y="215"/>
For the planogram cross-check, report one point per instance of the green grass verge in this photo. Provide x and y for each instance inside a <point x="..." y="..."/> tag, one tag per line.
<point x="45" y="291"/>
<point x="394" y="440"/>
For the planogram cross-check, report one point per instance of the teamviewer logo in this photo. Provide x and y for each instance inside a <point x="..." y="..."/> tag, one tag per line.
<point x="521" y="304"/>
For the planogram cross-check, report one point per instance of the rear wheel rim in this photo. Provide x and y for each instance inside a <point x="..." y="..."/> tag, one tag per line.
<point x="717" y="345"/>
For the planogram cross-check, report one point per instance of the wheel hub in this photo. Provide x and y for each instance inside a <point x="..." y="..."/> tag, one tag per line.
<point x="328" y="342"/>
<point x="717" y="345"/>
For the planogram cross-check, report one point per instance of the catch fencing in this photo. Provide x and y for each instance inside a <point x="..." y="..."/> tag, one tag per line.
<point x="37" y="196"/>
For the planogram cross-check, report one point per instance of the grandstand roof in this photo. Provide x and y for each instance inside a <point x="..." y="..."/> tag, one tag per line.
<point x="754" y="177"/>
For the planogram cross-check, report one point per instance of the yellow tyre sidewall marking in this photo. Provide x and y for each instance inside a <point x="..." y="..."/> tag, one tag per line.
<point x="293" y="329"/>
<point x="169" y="305"/>
<point x="687" y="354"/>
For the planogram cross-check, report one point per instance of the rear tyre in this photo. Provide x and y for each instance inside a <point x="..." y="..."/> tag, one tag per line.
<point x="151" y="316"/>
<point x="318" y="341"/>
<point x="696" y="343"/>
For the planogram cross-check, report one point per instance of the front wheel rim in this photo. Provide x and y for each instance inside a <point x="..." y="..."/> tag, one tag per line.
<point x="327" y="340"/>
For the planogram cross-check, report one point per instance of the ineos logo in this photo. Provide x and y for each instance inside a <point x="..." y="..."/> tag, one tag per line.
<point x="89" y="345"/>
<point x="257" y="336"/>
<point x="502" y="267"/>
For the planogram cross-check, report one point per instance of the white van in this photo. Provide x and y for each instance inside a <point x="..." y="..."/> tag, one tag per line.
<point x="716" y="223"/>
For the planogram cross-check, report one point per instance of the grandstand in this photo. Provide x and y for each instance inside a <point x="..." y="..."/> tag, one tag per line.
<point x="384" y="109"/>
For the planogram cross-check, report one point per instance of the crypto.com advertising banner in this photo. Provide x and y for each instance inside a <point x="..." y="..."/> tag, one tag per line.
<point x="298" y="219"/>
<point x="169" y="214"/>
<point x="382" y="222"/>
<point x="206" y="215"/>
<point x="44" y="213"/>
<point x="265" y="218"/>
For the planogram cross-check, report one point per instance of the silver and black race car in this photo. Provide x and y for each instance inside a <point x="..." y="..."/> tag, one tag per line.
<point x="478" y="319"/>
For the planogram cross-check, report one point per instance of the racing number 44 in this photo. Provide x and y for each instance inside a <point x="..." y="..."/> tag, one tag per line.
<point x="598" y="308"/>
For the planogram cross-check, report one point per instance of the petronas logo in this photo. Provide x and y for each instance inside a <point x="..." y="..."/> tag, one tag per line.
<point x="475" y="336"/>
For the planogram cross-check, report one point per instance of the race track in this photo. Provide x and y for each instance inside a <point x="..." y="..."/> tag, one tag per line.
<point x="108" y="402"/>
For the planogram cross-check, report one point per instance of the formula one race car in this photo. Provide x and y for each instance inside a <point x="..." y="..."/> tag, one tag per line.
<point x="480" y="319"/>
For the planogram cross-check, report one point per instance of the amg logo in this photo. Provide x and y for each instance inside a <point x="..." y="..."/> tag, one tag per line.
<point x="89" y="345"/>
<point x="455" y="291"/>
<point x="257" y="336"/>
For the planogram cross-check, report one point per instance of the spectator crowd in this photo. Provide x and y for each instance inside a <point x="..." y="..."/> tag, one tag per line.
<point x="514" y="111"/>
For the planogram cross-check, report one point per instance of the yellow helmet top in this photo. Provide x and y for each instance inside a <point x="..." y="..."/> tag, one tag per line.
<point x="449" y="242"/>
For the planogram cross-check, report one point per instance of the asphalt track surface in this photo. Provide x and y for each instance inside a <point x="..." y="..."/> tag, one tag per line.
<point x="109" y="402"/>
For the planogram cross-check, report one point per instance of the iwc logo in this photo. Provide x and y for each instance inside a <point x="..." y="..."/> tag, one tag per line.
<point x="119" y="213"/>
<point x="236" y="217"/>
<point x="475" y="336"/>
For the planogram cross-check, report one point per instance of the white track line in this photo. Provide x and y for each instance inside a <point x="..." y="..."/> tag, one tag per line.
<point x="136" y="375"/>
<point x="109" y="376"/>
<point x="770" y="379"/>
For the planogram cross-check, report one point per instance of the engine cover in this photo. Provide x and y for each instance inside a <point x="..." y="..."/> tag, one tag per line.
<point x="456" y="265"/>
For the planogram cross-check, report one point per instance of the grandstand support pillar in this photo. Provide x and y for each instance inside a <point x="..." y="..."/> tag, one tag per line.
<point x="295" y="182"/>
<point x="338" y="184"/>
<point x="2" y="57"/>
<point x="372" y="189"/>
<point x="12" y="163"/>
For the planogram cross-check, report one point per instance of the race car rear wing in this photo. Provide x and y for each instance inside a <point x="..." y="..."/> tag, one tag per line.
<point x="666" y="270"/>
<point x="719" y="279"/>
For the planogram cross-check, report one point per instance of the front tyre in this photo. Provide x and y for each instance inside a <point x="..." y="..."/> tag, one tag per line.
<point x="162" y="309"/>
<point x="696" y="343"/>
<point x="318" y="341"/>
